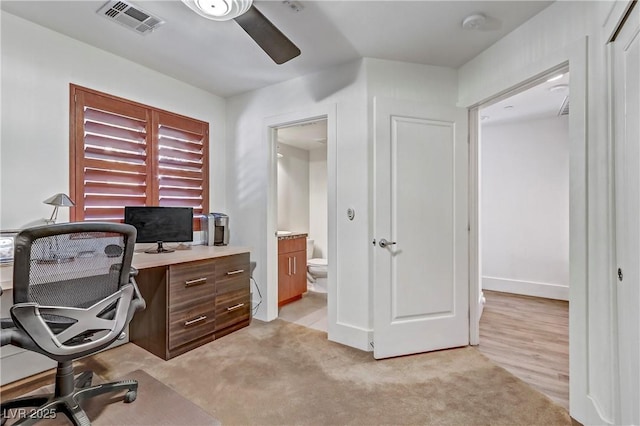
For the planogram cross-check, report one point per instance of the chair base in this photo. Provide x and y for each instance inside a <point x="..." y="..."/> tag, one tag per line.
<point x="49" y="405"/>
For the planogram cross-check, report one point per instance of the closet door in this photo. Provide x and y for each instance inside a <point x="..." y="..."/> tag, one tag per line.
<point x="626" y="113"/>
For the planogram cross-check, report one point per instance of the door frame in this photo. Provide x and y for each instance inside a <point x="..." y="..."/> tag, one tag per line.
<point x="476" y="300"/>
<point x="574" y="58"/>
<point x="271" y="124"/>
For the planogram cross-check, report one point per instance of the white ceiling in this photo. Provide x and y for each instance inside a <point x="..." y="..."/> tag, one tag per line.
<point x="221" y="58"/>
<point x="307" y="136"/>
<point x="541" y="101"/>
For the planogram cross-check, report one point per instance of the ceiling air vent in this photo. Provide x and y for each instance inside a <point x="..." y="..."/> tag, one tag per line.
<point x="564" y="109"/>
<point x="130" y="16"/>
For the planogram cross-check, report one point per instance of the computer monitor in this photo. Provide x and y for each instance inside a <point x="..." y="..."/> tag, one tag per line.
<point x="160" y="225"/>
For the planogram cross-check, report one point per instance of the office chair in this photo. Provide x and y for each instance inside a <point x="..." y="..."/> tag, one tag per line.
<point x="74" y="294"/>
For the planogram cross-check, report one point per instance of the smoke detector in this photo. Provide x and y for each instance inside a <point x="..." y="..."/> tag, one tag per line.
<point x="559" y="88"/>
<point x="130" y="16"/>
<point x="474" y="22"/>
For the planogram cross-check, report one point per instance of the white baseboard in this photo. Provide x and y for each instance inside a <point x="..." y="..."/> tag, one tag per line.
<point x="527" y="288"/>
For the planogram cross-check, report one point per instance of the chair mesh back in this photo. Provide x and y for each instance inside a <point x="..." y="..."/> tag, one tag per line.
<point x="75" y="269"/>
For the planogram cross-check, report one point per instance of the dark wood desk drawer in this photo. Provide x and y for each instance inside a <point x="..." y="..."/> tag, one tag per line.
<point x="235" y="283"/>
<point x="232" y="267"/>
<point x="232" y="307"/>
<point x="192" y="323"/>
<point x="191" y="282"/>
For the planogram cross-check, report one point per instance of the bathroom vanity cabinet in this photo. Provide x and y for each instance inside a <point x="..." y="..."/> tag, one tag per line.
<point x="292" y="268"/>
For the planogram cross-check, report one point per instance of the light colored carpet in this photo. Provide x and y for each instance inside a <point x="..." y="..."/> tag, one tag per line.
<point x="280" y="373"/>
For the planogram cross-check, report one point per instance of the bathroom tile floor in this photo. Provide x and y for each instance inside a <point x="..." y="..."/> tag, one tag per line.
<point x="310" y="311"/>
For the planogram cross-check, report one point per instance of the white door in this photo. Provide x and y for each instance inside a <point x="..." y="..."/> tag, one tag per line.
<point x="420" y="188"/>
<point x="626" y="107"/>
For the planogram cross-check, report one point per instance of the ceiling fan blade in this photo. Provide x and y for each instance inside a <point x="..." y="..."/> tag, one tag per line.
<point x="268" y="37"/>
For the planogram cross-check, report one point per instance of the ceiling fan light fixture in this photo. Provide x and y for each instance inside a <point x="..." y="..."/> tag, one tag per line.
<point x="219" y="10"/>
<point x="270" y="39"/>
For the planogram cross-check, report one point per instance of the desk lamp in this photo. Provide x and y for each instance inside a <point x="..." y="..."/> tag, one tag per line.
<point x="53" y="254"/>
<point x="57" y="201"/>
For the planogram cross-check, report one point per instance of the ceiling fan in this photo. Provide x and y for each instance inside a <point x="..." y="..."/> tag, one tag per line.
<point x="260" y="29"/>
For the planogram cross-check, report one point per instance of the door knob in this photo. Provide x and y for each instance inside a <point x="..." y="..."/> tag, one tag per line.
<point x="383" y="243"/>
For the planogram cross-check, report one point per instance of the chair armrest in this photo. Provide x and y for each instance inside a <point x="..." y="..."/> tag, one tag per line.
<point x="29" y="318"/>
<point x="138" y="303"/>
<point x="6" y="336"/>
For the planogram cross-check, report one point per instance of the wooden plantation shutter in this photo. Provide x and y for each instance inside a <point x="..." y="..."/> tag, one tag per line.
<point x="182" y="156"/>
<point x="128" y="154"/>
<point x="111" y="151"/>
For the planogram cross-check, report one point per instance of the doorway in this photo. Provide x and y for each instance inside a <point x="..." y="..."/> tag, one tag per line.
<point x="524" y="234"/>
<point x="326" y="113"/>
<point x="302" y="218"/>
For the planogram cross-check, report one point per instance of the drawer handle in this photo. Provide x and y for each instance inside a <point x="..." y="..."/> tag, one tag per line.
<point x="234" y="307"/>
<point x="238" y="271"/>
<point x="193" y="321"/>
<point x="197" y="281"/>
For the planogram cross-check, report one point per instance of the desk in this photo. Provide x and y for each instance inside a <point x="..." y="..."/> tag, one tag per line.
<point x="173" y="287"/>
<point x="143" y="260"/>
<point x="193" y="297"/>
<point x="6" y="277"/>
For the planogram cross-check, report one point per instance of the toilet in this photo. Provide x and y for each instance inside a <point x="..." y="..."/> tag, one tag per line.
<point x="316" y="271"/>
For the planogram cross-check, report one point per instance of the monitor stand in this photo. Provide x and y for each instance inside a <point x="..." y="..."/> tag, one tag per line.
<point x="159" y="249"/>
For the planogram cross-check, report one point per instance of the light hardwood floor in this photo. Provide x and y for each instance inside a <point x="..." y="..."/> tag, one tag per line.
<point x="529" y="337"/>
<point x="310" y="311"/>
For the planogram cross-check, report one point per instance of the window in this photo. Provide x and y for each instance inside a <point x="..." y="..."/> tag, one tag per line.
<point x="127" y="154"/>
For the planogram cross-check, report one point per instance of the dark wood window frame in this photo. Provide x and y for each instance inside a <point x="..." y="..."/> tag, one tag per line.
<point x="126" y="153"/>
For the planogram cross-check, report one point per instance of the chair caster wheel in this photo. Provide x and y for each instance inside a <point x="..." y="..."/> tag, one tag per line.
<point x="130" y="396"/>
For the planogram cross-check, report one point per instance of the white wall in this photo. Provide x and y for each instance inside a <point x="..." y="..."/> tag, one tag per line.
<point x="302" y="194"/>
<point x="340" y="89"/>
<point x="411" y="82"/>
<point x="351" y="88"/>
<point x="318" y="219"/>
<point x="37" y="67"/>
<point x="293" y="189"/>
<point x="576" y="32"/>
<point x="525" y="207"/>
